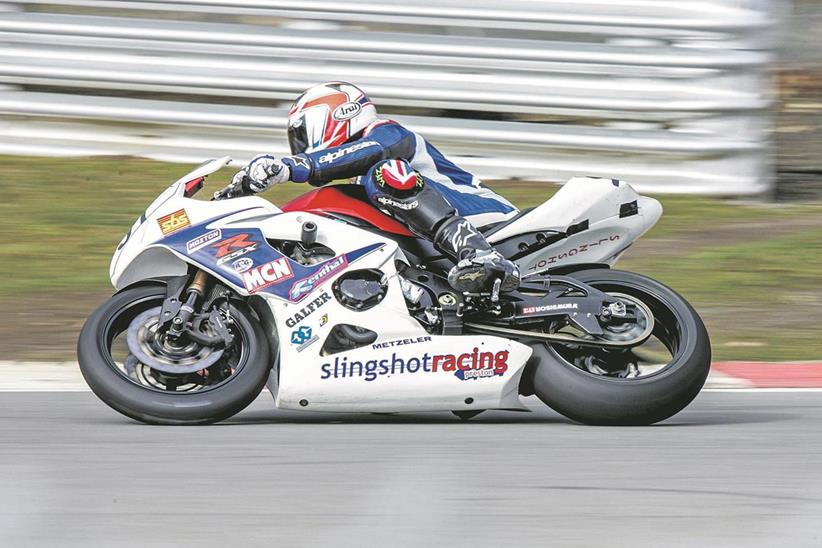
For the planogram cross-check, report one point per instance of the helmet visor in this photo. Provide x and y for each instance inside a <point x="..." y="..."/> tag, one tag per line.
<point x="297" y="137"/>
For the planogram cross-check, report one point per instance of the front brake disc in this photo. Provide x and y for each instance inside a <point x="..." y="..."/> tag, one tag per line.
<point x="150" y="349"/>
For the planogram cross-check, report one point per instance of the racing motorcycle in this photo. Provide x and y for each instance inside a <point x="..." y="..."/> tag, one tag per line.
<point x="337" y="307"/>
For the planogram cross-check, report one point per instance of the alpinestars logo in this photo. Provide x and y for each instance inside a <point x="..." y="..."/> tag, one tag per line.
<point x="301" y="161"/>
<point x="336" y="155"/>
<point x="385" y="200"/>
<point x="472" y="276"/>
<point x="266" y="275"/>
<point x="464" y="233"/>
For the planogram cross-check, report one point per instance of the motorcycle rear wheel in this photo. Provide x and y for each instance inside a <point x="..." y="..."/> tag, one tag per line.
<point x="153" y="402"/>
<point x="584" y="396"/>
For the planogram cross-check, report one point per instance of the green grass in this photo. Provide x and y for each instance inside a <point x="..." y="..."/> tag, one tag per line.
<point x="761" y="299"/>
<point x="761" y="270"/>
<point x="62" y="218"/>
<point x="752" y="270"/>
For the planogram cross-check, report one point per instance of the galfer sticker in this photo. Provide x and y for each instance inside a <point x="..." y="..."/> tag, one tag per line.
<point x="308" y="309"/>
<point x="468" y="366"/>
<point x="267" y="274"/>
<point x="202" y="241"/>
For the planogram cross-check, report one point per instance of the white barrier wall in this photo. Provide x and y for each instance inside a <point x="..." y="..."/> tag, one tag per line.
<point x="671" y="96"/>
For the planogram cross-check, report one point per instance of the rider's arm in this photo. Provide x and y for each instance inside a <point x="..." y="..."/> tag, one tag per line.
<point x="388" y="140"/>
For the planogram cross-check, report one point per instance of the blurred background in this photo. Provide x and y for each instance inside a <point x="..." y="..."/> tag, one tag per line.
<point x="712" y="106"/>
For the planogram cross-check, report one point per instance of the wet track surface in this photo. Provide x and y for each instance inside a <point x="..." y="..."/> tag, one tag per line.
<point x="735" y="469"/>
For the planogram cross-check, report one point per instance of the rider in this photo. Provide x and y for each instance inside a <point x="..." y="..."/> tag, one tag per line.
<point x="334" y="133"/>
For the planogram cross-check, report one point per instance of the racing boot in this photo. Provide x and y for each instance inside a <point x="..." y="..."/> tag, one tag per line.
<point x="478" y="264"/>
<point x="394" y="187"/>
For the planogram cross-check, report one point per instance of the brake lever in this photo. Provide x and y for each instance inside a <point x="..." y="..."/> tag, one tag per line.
<point x="230" y="192"/>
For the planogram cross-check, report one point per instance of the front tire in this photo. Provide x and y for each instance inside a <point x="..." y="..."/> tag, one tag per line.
<point x="606" y="400"/>
<point x="150" y="405"/>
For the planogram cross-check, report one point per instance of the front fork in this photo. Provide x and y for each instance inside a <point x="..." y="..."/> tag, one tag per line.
<point x="185" y="319"/>
<point x="194" y="293"/>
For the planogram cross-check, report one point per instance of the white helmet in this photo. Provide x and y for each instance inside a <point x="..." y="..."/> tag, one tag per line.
<point x="328" y="115"/>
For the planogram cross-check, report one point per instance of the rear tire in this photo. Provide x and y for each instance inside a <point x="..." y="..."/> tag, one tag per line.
<point x="170" y="408"/>
<point x="600" y="400"/>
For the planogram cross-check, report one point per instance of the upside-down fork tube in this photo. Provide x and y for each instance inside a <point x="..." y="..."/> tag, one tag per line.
<point x="195" y="291"/>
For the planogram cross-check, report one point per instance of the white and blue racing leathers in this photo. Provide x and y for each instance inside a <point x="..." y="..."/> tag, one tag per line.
<point x="386" y="139"/>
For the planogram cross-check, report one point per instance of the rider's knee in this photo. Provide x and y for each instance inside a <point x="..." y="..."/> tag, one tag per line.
<point x="395" y="188"/>
<point x="393" y="178"/>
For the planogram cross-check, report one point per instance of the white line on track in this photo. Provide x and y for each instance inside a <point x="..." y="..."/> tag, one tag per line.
<point x="66" y="377"/>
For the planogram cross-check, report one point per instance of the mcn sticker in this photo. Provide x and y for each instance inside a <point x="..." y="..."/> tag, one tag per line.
<point x="266" y="275"/>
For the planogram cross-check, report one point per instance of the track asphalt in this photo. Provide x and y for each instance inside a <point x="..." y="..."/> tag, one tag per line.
<point x="736" y="468"/>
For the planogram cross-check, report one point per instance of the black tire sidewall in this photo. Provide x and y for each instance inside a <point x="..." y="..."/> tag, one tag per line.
<point x="155" y="407"/>
<point x="594" y="399"/>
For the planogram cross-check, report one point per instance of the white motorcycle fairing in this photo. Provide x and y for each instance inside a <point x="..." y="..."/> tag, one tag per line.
<point x="597" y="219"/>
<point x="404" y="369"/>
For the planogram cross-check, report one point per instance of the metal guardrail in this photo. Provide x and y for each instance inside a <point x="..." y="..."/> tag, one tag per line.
<point x="605" y="95"/>
<point x="655" y="18"/>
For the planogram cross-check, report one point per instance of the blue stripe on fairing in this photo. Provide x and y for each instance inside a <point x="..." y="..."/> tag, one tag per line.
<point x="469" y="204"/>
<point x="263" y="254"/>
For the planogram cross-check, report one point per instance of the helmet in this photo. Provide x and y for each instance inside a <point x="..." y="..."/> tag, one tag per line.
<point x="328" y="115"/>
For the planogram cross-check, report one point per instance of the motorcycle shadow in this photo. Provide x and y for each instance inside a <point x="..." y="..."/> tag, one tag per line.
<point x="276" y="416"/>
<point x="537" y="416"/>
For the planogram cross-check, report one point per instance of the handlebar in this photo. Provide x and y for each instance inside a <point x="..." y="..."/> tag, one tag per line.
<point x="230" y="192"/>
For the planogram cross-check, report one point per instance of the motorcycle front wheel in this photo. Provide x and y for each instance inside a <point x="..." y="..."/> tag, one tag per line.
<point x="208" y="385"/>
<point x="638" y="386"/>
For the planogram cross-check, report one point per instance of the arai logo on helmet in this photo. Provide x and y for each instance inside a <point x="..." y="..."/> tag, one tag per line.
<point x="346" y="111"/>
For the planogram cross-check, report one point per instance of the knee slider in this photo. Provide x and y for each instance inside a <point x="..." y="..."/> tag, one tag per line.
<point x="397" y="178"/>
